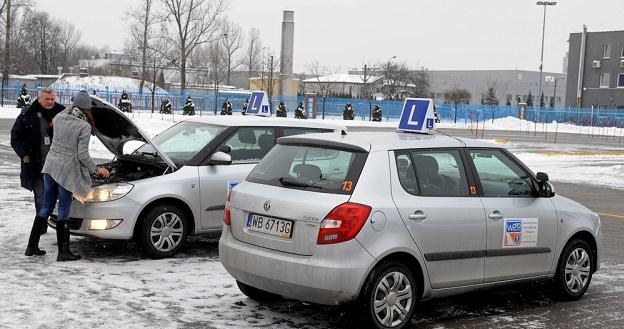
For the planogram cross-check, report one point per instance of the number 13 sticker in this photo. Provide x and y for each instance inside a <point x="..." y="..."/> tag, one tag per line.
<point x="347" y="185"/>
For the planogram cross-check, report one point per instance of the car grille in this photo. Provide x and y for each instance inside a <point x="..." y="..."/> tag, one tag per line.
<point x="74" y="223"/>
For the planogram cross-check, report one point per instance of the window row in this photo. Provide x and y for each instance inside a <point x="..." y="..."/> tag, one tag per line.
<point x="606" y="83"/>
<point x="443" y="173"/>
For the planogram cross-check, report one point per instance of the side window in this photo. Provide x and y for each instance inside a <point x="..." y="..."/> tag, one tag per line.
<point x="499" y="175"/>
<point x="407" y="175"/>
<point x="250" y="144"/>
<point x="289" y="131"/>
<point x="440" y="173"/>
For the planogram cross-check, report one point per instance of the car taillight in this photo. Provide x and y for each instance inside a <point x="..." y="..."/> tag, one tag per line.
<point x="226" y="215"/>
<point x="343" y="223"/>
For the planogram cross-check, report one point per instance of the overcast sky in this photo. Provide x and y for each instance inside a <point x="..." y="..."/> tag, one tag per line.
<point x="344" y="34"/>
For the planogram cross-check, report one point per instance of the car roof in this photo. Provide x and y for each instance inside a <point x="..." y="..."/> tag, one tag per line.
<point x="382" y="141"/>
<point x="254" y="120"/>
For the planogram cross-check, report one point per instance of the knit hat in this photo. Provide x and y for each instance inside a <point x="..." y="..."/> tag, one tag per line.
<point x="82" y="100"/>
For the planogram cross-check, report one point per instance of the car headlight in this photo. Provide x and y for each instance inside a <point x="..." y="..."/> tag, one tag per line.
<point x="108" y="192"/>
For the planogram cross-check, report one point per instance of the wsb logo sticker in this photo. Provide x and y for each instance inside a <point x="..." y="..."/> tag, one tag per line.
<point x="513" y="233"/>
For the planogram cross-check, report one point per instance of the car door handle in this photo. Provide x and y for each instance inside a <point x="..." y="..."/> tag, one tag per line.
<point x="495" y="215"/>
<point x="417" y="215"/>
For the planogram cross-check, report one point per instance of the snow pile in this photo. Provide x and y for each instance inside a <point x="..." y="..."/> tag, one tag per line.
<point x="102" y="84"/>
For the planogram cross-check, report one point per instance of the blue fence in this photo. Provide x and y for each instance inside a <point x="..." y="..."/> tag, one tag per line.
<point x="333" y="107"/>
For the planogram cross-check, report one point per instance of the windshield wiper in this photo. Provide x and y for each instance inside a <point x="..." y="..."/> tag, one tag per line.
<point x="289" y="181"/>
<point x="154" y="154"/>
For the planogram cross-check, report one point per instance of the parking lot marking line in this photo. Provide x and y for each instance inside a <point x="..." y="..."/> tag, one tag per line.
<point x="610" y="215"/>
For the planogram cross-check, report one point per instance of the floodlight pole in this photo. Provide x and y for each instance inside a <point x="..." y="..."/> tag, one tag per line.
<point x="545" y="4"/>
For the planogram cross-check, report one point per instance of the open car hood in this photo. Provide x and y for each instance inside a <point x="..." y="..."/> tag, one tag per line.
<point x="114" y="129"/>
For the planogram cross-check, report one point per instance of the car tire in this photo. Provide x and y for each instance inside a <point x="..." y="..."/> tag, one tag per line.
<point x="256" y="294"/>
<point x="389" y="296"/>
<point x="574" y="271"/>
<point x="163" y="232"/>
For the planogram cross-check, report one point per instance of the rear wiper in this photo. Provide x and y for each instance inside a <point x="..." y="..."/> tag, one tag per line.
<point x="289" y="181"/>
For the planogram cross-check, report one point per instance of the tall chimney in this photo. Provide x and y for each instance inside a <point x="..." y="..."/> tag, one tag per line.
<point x="287" y="85"/>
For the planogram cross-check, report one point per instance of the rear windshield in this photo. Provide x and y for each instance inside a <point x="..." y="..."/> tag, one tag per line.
<point x="310" y="168"/>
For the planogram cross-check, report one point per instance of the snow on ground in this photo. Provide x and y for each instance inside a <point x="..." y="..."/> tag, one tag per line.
<point x="114" y="287"/>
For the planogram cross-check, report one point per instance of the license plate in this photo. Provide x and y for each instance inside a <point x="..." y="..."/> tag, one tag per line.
<point x="270" y="225"/>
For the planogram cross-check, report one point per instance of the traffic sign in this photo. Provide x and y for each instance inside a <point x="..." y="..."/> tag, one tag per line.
<point x="417" y="116"/>
<point x="259" y="104"/>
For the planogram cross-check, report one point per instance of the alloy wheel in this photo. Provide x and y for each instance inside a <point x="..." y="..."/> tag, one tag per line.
<point x="166" y="231"/>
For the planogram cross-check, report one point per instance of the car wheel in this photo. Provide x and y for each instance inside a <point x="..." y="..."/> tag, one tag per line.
<point x="163" y="232"/>
<point x="256" y="294"/>
<point x="389" y="296"/>
<point x="574" y="271"/>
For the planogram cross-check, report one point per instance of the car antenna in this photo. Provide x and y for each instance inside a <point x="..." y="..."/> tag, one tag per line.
<point x="343" y="132"/>
<point x="456" y="138"/>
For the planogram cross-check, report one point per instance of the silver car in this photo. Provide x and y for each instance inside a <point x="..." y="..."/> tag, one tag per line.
<point x="175" y="184"/>
<point x="384" y="220"/>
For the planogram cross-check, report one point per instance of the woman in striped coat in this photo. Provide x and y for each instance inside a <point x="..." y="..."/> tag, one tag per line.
<point x="67" y="170"/>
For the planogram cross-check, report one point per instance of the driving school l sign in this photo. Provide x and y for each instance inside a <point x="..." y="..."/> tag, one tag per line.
<point x="259" y="104"/>
<point x="417" y="116"/>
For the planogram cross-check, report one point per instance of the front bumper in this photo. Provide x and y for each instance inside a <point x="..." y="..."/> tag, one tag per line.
<point x="81" y="215"/>
<point x="332" y="276"/>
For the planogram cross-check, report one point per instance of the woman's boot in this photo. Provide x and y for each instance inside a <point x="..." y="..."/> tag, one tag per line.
<point x="62" y="238"/>
<point x="33" y="240"/>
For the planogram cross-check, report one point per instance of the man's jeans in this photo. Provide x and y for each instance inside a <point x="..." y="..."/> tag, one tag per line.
<point x="52" y="192"/>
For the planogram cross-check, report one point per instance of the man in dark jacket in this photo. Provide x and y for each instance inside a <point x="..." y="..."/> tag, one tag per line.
<point x="31" y="137"/>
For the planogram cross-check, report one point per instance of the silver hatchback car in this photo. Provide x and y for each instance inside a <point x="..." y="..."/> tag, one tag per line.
<point x="387" y="219"/>
<point x="175" y="184"/>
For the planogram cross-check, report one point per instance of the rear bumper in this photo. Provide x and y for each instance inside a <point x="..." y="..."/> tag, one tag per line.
<point x="332" y="276"/>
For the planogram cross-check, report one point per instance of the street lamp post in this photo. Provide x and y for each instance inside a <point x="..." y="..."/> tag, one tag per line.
<point x="388" y="76"/>
<point x="216" y="68"/>
<point x="545" y="4"/>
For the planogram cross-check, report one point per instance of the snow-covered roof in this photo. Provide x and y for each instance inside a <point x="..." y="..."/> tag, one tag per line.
<point x="342" y="78"/>
<point x="101" y="83"/>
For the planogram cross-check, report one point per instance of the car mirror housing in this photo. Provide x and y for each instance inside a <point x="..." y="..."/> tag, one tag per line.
<point x="547" y="190"/>
<point x="220" y="158"/>
<point x="225" y="148"/>
<point x="542" y="177"/>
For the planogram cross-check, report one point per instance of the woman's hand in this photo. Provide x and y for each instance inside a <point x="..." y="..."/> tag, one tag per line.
<point x="102" y="172"/>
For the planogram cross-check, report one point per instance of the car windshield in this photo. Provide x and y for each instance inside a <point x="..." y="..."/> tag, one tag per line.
<point x="310" y="168"/>
<point x="182" y="141"/>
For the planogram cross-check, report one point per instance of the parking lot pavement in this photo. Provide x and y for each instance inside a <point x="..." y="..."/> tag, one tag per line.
<point x="115" y="286"/>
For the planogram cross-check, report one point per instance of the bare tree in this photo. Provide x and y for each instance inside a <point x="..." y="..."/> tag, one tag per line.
<point x="418" y="84"/>
<point x="270" y="63"/>
<point x="396" y="78"/>
<point x="323" y="85"/>
<point x="196" y="22"/>
<point x="43" y="40"/>
<point x="494" y="92"/>
<point x="69" y="37"/>
<point x="142" y="19"/>
<point x="8" y="14"/>
<point x="253" y="53"/>
<point x="458" y="96"/>
<point x="231" y="43"/>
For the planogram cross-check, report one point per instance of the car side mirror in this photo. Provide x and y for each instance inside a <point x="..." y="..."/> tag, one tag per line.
<point x="547" y="190"/>
<point x="542" y="177"/>
<point x="220" y="158"/>
<point x="225" y="148"/>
